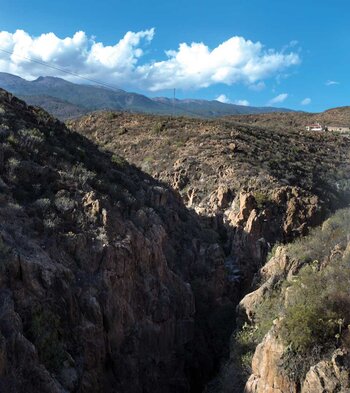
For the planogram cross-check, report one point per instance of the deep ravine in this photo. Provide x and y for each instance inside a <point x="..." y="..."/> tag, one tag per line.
<point x="112" y="280"/>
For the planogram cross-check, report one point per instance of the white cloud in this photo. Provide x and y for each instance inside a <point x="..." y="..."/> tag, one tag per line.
<point x="194" y="65"/>
<point x="331" y="83"/>
<point x="223" y="98"/>
<point x="242" y="102"/>
<point x="278" y="99"/>
<point x="306" y="101"/>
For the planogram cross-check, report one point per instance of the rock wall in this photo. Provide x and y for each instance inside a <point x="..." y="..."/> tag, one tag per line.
<point x="329" y="375"/>
<point x="101" y="269"/>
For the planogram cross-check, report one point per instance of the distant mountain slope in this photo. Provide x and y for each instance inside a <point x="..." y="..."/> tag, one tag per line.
<point x="215" y="108"/>
<point x="62" y="109"/>
<point x="90" y="98"/>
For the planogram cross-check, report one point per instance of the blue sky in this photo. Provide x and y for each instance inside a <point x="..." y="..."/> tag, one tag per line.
<point x="304" y="54"/>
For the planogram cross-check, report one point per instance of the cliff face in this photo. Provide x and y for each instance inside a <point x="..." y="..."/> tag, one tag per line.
<point x="109" y="283"/>
<point x="314" y="357"/>
<point x="98" y="262"/>
<point x="253" y="185"/>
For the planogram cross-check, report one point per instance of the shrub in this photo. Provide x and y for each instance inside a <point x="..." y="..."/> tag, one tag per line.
<point x="118" y="160"/>
<point x="158" y="127"/>
<point x="313" y="306"/>
<point x="272" y="252"/>
<point x="245" y="341"/>
<point x="4" y="250"/>
<point x="45" y="331"/>
<point x="64" y="204"/>
<point x="31" y="137"/>
<point x="261" y="199"/>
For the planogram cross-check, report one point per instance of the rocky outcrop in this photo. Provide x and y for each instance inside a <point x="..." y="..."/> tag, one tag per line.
<point x="261" y="220"/>
<point x="326" y="373"/>
<point x="329" y="376"/>
<point x="102" y="269"/>
<point x="267" y="376"/>
<point x="253" y="186"/>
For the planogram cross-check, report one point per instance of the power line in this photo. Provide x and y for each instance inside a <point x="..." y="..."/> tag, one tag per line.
<point x="103" y="84"/>
<point x="45" y="64"/>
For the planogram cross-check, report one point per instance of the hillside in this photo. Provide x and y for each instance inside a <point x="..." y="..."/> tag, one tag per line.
<point x="296" y="120"/>
<point x="103" y="270"/>
<point x="60" y="108"/>
<point x="88" y="98"/>
<point x="201" y="155"/>
<point x="294" y="334"/>
<point x="258" y="186"/>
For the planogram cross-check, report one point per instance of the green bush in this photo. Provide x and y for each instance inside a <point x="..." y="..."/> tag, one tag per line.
<point x="118" y="160"/>
<point x="318" y="304"/>
<point x="321" y="241"/>
<point x="261" y="199"/>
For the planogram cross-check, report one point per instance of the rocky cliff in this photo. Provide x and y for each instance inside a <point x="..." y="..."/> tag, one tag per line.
<point x="255" y="186"/>
<point x="113" y="281"/>
<point x="107" y="281"/>
<point x="304" y="304"/>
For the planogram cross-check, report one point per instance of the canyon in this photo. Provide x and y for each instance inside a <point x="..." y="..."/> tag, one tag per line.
<point x="127" y="242"/>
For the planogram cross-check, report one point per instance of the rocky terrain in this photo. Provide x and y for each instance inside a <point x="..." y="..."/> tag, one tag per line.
<point x="301" y="313"/>
<point x="108" y="283"/>
<point x="115" y="281"/>
<point x="256" y="185"/>
<point x="296" y="120"/>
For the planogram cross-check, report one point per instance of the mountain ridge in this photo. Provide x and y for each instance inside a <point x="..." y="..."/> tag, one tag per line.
<point x="87" y="98"/>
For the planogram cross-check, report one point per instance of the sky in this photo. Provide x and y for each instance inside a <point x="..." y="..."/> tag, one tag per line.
<point x="293" y="54"/>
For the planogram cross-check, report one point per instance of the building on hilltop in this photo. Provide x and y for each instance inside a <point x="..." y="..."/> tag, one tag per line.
<point x="315" y="127"/>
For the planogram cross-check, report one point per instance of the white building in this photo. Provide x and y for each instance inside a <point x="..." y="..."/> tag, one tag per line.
<point x="314" y="127"/>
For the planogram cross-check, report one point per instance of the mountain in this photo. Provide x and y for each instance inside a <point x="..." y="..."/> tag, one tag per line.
<point x="83" y="98"/>
<point x="205" y="108"/>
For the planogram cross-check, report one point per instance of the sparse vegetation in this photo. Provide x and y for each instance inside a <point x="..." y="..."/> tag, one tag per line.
<point x="264" y="158"/>
<point x="261" y="199"/>
<point x="312" y="307"/>
<point x="118" y="160"/>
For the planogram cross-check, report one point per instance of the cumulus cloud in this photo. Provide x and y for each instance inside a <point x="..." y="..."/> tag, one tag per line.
<point x="278" y="99"/>
<point x="223" y="98"/>
<point x="194" y="65"/>
<point x="331" y="83"/>
<point x="78" y="54"/>
<point x="242" y="102"/>
<point x="306" y="101"/>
